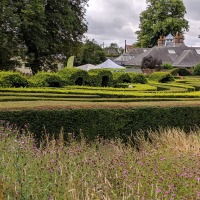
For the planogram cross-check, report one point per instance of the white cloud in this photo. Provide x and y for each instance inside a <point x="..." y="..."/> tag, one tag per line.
<point x="117" y="20"/>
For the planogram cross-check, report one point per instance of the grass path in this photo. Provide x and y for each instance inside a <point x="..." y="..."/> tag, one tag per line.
<point x="20" y="105"/>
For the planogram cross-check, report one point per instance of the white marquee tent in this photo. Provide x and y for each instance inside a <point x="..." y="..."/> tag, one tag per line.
<point x="87" y="67"/>
<point x="109" y="64"/>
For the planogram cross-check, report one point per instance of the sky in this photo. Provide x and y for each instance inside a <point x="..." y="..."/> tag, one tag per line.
<point x="114" y="21"/>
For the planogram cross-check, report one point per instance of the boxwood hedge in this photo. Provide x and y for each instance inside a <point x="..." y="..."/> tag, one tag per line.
<point x="137" y="78"/>
<point x="180" y="72"/>
<point x="106" y="123"/>
<point x="121" y="77"/>
<point x="161" y="77"/>
<point x="46" y="79"/>
<point x="73" y="76"/>
<point x="101" y="78"/>
<point x="12" y="79"/>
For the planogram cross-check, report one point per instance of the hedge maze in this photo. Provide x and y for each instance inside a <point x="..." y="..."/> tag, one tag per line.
<point x="159" y="99"/>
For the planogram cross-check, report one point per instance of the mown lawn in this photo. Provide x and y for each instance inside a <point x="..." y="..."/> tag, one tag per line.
<point x="19" y="105"/>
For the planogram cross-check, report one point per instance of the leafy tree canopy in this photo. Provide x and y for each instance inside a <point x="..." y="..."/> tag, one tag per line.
<point x="161" y="18"/>
<point x="90" y="53"/>
<point x="40" y="30"/>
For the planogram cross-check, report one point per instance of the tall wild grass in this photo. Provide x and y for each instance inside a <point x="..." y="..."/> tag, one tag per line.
<point x="164" y="166"/>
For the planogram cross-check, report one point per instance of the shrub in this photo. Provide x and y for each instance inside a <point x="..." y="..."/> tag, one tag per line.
<point x="196" y="70"/>
<point x="12" y="79"/>
<point x="46" y="79"/>
<point x="161" y="77"/>
<point x="137" y="78"/>
<point x="167" y="66"/>
<point x="101" y="77"/>
<point x="74" y="76"/>
<point x="180" y="72"/>
<point x="121" y="77"/>
<point x="149" y="62"/>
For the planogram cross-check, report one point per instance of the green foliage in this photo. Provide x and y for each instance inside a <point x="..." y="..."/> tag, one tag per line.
<point x="91" y="53"/>
<point x="181" y="72"/>
<point x="137" y="78"/>
<point x="161" y="77"/>
<point x="196" y="70"/>
<point x="167" y="66"/>
<point x="12" y="79"/>
<point x="106" y="123"/>
<point x="121" y="77"/>
<point x="170" y="155"/>
<point x="40" y="30"/>
<point x="101" y="77"/>
<point x="149" y="62"/>
<point x="46" y="79"/>
<point x="73" y="76"/>
<point x="161" y="18"/>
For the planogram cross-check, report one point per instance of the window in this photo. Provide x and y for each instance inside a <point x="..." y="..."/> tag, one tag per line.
<point x="171" y="51"/>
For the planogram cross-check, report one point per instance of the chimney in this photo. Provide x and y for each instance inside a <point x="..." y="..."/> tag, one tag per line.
<point x="161" y="41"/>
<point x="178" y="39"/>
<point x="125" y="47"/>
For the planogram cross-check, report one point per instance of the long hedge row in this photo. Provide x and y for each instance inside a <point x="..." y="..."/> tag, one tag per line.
<point x="106" y="123"/>
<point x="65" y="77"/>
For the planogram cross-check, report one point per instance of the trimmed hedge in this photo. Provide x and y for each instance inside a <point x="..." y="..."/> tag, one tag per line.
<point x="180" y="72"/>
<point x="101" y="78"/>
<point x="137" y="78"/>
<point x="46" y="79"/>
<point x="106" y="123"/>
<point x="167" y="66"/>
<point x="161" y="77"/>
<point x="73" y="76"/>
<point x="12" y="79"/>
<point x="121" y="77"/>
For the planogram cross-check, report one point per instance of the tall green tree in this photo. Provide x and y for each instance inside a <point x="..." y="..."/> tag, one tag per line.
<point x="161" y="17"/>
<point x="44" y="29"/>
<point x="91" y="53"/>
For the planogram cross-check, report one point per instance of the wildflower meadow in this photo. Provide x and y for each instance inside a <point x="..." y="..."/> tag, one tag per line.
<point x="165" y="165"/>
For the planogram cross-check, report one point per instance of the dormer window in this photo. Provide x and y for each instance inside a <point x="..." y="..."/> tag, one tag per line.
<point x="171" y="51"/>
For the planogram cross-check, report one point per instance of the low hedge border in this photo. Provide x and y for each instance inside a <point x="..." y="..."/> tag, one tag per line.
<point x="106" y="123"/>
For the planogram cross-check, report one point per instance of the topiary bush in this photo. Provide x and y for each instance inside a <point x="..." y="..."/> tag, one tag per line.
<point x="100" y="78"/>
<point x="12" y="79"/>
<point x="161" y="77"/>
<point x="167" y="66"/>
<point x="196" y="70"/>
<point x="180" y="72"/>
<point x="46" y="79"/>
<point x="137" y="78"/>
<point x="73" y="76"/>
<point x="121" y="77"/>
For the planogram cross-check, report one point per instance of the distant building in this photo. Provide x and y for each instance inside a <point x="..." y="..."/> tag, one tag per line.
<point x="170" y="49"/>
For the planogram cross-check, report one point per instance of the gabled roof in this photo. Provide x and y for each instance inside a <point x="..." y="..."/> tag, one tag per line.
<point x="128" y="56"/>
<point x="166" y="54"/>
<point x="187" y="59"/>
<point x="169" y="37"/>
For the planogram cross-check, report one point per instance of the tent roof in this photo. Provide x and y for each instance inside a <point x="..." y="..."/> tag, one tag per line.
<point x="87" y="67"/>
<point x="110" y="64"/>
